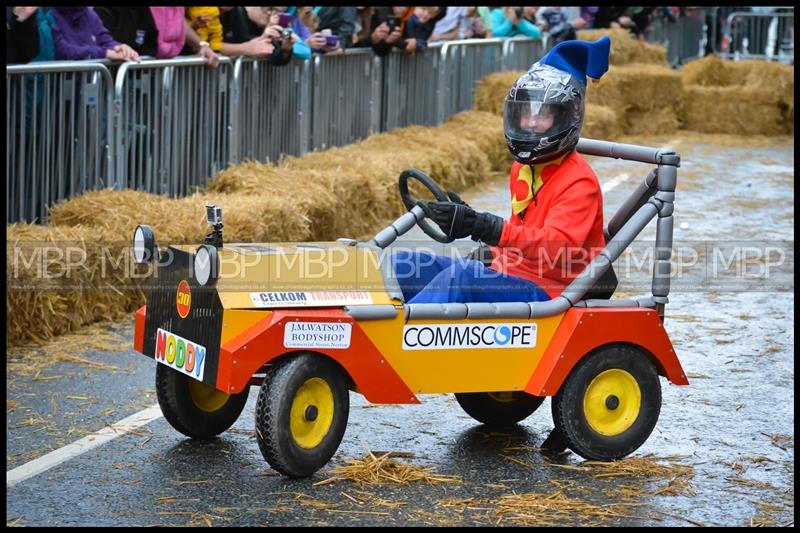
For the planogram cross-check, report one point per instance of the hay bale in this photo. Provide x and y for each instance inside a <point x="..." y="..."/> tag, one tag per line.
<point x="491" y="91"/>
<point x="710" y="71"/>
<point x="60" y="278"/>
<point x="249" y="217"/>
<point x="486" y="130"/>
<point x="776" y="78"/>
<point x="651" y="122"/>
<point x="742" y="110"/>
<point x="115" y="214"/>
<point x="601" y="122"/>
<point x="636" y="90"/>
<point x="625" y="48"/>
<point x="773" y="80"/>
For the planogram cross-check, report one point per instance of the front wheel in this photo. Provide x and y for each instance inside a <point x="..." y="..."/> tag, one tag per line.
<point x="194" y="408"/>
<point x="301" y="414"/>
<point x="609" y="403"/>
<point x="499" y="408"/>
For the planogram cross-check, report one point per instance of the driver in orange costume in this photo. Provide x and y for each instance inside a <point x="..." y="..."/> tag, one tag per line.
<point x="556" y="223"/>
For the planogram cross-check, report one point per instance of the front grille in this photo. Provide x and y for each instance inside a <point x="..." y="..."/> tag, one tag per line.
<point x="203" y="324"/>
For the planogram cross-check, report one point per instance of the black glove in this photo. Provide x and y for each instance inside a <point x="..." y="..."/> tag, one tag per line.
<point x="458" y="220"/>
<point x="482" y="253"/>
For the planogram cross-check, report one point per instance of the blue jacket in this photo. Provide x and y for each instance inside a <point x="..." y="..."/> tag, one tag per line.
<point x="502" y="27"/>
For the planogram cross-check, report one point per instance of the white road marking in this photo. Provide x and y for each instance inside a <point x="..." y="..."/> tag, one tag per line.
<point x="89" y="442"/>
<point x="613" y="182"/>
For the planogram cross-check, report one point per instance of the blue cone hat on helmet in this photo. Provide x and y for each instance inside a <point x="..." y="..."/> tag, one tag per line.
<point x="543" y="112"/>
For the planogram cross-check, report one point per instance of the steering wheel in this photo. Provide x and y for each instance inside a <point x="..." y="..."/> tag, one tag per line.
<point x="431" y="229"/>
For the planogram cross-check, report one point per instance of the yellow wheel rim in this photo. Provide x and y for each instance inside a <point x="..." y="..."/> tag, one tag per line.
<point x="502" y="397"/>
<point x="311" y="415"/>
<point x="612" y="402"/>
<point x="206" y="398"/>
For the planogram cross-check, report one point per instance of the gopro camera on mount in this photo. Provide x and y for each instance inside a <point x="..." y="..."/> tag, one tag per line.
<point x="214" y="217"/>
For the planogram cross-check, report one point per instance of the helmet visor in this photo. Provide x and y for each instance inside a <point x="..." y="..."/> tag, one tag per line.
<point x="530" y="121"/>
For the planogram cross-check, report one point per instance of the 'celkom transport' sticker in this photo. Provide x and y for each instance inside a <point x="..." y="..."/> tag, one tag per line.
<point x="181" y="354"/>
<point x="331" y="335"/>
<point x="310" y="298"/>
<point x="466" y="336"/>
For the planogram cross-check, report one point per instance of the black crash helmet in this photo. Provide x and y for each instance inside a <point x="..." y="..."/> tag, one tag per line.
<point x="543" y="111"/>
<point x="543" y="115"/>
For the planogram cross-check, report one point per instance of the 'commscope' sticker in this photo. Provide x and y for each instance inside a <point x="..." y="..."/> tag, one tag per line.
<point x="465" y="336"/>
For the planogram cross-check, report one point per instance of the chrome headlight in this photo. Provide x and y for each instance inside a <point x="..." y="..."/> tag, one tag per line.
<point x="144" y="244"/>
<point x="206" y="264"/>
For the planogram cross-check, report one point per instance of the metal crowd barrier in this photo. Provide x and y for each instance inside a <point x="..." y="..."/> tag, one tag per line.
<point x="271" y="109"/>
<point x="520" y="53"/>
<point x="172" y="120"/>
<point x="759" y="35"/>
<point x="166" y="126"/>
<point x="684" y="39"/>
<point x="463" y="64"/>
<point x="347" y="98"/>
<point x="58" y="134"/>
<point x="410" y="93"/>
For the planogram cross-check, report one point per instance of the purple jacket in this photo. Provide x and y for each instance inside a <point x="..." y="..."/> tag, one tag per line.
<point x="79" y="34"/>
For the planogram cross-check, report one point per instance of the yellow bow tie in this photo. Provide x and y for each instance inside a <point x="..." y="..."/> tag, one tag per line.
<point x="528" y="184"/>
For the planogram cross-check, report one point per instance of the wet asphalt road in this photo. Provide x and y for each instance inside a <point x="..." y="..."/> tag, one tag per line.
<point x="734" y="424"/>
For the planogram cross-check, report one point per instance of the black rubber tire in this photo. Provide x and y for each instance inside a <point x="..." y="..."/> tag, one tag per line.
<point x="273" y="431"/>
<point x="568" y="409"/>
<point x="483" y="408"/>
<point x="172" y="390"/>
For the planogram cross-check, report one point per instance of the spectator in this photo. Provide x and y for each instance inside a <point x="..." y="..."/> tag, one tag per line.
<point x="455" y="24"/>
<point x="478" y="23"/>
<point x="47" y="48"/>
<point x="362" y="37"/>
<point x="247" y="32"/>
<point x="300" y="48"/>
<point x="205" y="21"/>
<point x="390" y="29"/>
<point x="422" y="23"/>
<point x="587" y="13"/>
<point x="634" y="19"/>
<point x="133" y="26"/>
<point x="554" y="21"/>
<point x="22" y="34"/>
<point x="341" y="21"/>
<point x="305" y="15"/>
<point x="173" y="29"/>
<point x="513" y="21"/>
<point x="320" y="40"/>
<point x="79" y="33"/>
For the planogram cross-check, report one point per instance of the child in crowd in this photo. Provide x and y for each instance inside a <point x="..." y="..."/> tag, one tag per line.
<point x="206" y="22"/>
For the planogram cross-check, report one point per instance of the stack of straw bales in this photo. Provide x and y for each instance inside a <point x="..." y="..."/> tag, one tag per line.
<point x="639" y="94"/>
<point x="742" y="97"/>
<point x="348" y="191"/>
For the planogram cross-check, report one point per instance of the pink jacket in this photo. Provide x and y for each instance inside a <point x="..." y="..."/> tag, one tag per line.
<point x="171" y="30"/>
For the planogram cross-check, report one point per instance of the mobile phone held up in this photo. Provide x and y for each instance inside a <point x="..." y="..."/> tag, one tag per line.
<point x="285" y="21"/>
<point x="392" y="21"/>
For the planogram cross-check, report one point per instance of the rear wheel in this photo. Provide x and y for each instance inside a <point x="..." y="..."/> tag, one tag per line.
<point x="194" y="408"/>
<point x="609" y="403"/>
<point x="301" y="414"/>
<point x="499" y="408"/>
